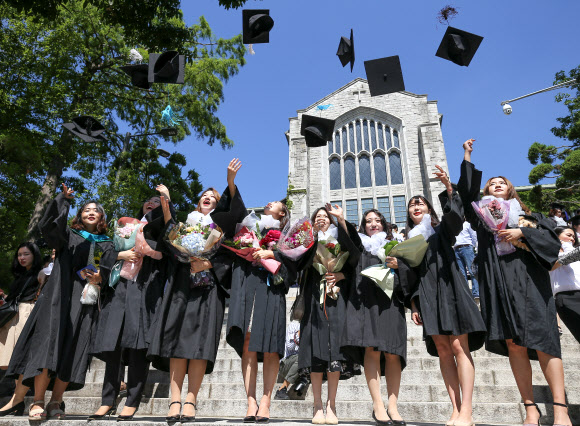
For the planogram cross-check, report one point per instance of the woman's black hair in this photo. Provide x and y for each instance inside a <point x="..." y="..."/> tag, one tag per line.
<point x="140" y="213"/>
<point x="78" y="224"/>
<point x="434" y="218"/>
<point x="384" y="223"/>
<point x="559" y="229"/>
<point x="286" y="218"/>
<point x="18" y="270"/>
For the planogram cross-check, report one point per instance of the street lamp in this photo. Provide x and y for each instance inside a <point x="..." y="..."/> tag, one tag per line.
<point x="507" y="109"/>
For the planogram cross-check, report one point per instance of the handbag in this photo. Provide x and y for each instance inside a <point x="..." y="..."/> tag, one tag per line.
<point x="115" y="275"/>
<point x="9" y="309"/>
<point x="297" y="310"/>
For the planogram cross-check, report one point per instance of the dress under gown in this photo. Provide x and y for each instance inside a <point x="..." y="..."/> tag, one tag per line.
<point x="372" y="319"/>
<point x="515" y="290"/>
<point x="444" y="299"/>
<point x="59" y="331"/>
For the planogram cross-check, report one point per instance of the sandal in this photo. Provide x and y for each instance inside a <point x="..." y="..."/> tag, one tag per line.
<point x="55" y="413"/>
<point x="539" y="412"/>
<point x="36" y="414"/>
<point x="560" y="405"/>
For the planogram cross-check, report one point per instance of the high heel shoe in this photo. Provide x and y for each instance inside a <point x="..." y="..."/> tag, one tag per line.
<point x="396" y="422"/>
<point x="121" y="418"/>
<point x="175" y="418"/>
<point x="16" y="410"/>
<point x="539" y="412"/>
<point x="382" y="422"/>
<point x="112" y="411"/>
<point x="559" y="405"/>
<point x="188" y="419"/>
<point x="251" y="419"/>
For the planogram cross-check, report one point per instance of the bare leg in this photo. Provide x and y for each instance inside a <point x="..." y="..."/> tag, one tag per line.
<point x="195" y="375"/>
<point x="522" y="371"/>
<point x="318" y="413"/>
<point x="19" y="394"/>
<point x="332" y="384"/>
<point x="58" y="390"/>
<point x="554" y="373"/>
<point x="271" y="367"/>
<point x="373" y="375"/>
<point x="177" y="369"/>
<point x="41" y="382"/>
<point x="250" y="374"/>
<point x="393" y="378"/>
<point x="466" y="373"/>
<point x="449" y="372"/>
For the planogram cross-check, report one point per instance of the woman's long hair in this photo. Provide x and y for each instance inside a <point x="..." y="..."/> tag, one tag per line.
<point x="78" y="224"/>
<point x="559" y="229"/>
<point x="512" y="193"/>
<point x="434" y="217"/>
<point x="215" y="194"/>
<point x="18" y="270"/>
<point x="384" y="223"/>
<point x="286" y="219"/>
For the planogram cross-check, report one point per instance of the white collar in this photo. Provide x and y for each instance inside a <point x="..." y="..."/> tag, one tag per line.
<point x="268" y="222"/>
<point x="374" y="243"/>
<point x="196" y="217"/>
<point x="424" y="228"/>
<point x="332" y="231"/>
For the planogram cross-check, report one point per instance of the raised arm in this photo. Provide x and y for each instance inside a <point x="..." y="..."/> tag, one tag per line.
<point x="54" y="223"/>
<point x="469" y="184"/>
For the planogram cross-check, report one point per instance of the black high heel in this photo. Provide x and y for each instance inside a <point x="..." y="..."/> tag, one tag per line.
<point x="539" y="412"/>
<point x="396" y="422"/>
<point x="188" y="419"/>
<point x="559" y="405"/>
<point x="251" y="419"/>
<point x="121" y="418"/>
<point x="381" y="422"/>
<point x="108" y="414"/>
<point x="176" y="418"/>
<point x="16" y="410"/>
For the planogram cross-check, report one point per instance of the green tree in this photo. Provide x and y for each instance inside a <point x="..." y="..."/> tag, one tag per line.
<point x="559" y="163"/>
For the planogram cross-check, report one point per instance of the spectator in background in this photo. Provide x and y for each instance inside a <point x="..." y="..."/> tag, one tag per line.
<point x="556" y="213"/>
<point x="289" y="364"/>
<point x="575" y="222"/>
<point x="465" y="246"/>
<point x="395" y="231"/>
<point x="403" y="233"/>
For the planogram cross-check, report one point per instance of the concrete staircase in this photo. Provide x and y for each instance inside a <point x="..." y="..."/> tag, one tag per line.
<point x="423" y="397"/>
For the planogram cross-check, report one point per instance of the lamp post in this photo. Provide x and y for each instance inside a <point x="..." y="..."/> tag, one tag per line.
<point x="507" y="109"/>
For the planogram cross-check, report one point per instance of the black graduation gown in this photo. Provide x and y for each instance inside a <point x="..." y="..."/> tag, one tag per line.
<point x="320" y="336"/>
<point x="444" y="299"/>
<point x="58" y="333"/>
<point x="251" y="298"/>
<point x="372" y="319"/>
<point x="24" y="287"/>
<point x="515" y="291"/>
<point x="189" y="321"/>
<point x="129" y="309"/>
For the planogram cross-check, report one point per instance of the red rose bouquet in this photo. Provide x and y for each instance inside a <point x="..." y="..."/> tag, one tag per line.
<point x="296" y="239"/>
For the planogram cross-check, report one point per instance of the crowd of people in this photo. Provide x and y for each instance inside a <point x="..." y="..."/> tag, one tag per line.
<point x="162" y="318"/>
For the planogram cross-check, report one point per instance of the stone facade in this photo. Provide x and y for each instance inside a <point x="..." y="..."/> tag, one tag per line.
<point x="413" y="118"/>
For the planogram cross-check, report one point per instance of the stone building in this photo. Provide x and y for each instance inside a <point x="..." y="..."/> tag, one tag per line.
<point x="384" y="151"/>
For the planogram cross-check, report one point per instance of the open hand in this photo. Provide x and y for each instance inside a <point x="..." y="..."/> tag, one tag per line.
<point x="442" y="176"/>
<point x="68" y="192"/>
<point x="162" y="189"/>
<point x="233" y="169"/>
<point x="335" y="211"/>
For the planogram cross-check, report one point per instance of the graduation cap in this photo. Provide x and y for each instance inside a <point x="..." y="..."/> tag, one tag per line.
<point x="87" y="128"/>
<point x="256" y="26"/>
<point x="139" y="75"/>
<point x="167" y="67"/>
<point x="384" y="76"/>
<point x="458" y="46"/>
<point x="346" y="51"/>
<point x="316" y="130"/>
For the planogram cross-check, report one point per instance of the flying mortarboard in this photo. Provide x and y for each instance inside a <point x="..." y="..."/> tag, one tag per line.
<point x="384" y="75"/>
<point x="346" y="51"/>
<point x="167" y="67"/>
<point x="458" y="46"/>
<point x="256" y="26"/>
<point x="316" y="130"/>
<point x="87" y="128"/>
<point x="139" y="75"/>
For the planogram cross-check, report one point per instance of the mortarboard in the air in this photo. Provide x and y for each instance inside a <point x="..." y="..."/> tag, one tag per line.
<point x="557" y="206"/>
<point x="256" y="26"/>
<point x="346" y="51"/>
<point x="458" y="46"/>
<point x="316" y="130"/>
<point x="384" y="75"/>
<point x="167" y="67"/>
<point x="139" y="75"/>
<point x="87" y="128"/>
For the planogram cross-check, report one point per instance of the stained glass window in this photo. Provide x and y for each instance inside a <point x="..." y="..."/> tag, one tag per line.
<point x="344" y="141"/>
<point x="349" y="173"/>
<point x="380" y="170"/>
<point x="388" y="136"/>
<point x="352" y="211"/>
<point x="400" y="209"/>
<point x="373" y="136"/>
<point x="364" y="171"/>
<point x="366" y="204"/>
<point x="335" y="181"/>
<point x="395" y="166"/>
<point x="381" y="137"/>
<point x="351" y="138"/>
<point x="384" y="207"/>
<point x="358" y="137"/>
<point x="396" y="138"/>
<point x="366" y="135"/>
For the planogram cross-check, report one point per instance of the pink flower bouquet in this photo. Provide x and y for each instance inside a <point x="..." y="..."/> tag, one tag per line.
<point x="245" y="243"/>
<point x="494" y="216"/>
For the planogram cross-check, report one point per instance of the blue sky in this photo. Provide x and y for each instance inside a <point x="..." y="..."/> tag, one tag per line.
<point x="525" y="44"/>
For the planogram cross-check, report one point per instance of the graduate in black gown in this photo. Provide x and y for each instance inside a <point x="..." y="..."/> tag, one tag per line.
<point x="442" y="301"/>
<point x="256" y="326"/>
<point x="515" y="291"/>
<point x="375" y="332"/>
<point x="127" y="311"/>
<point x="322" y="324"/>
<point x="56" y="339"/>
<point x="185" y="336"/>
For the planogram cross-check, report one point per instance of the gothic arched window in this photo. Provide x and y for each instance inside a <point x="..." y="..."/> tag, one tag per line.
<point x="349" y="172"/>
<point x="351" y="138"/>
<point x="388" y="136"/>
<point x="381" y="137"/>
<point x="380" y="169"/>
<point x="358" y="137"/>
<point x="344" y="141"/>
<point x="335" y="180"/>
<point x="396" y="170"/>
<point x="364" y="171"/>
<point x="373" y="136"/>
<point x="366" y="135"/>
<point x="396" y="138"/>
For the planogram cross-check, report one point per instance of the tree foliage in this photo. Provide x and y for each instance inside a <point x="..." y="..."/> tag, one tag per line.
<point x="560" y="163"/>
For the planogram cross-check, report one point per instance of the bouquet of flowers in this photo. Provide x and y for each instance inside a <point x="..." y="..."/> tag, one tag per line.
<point x="494" y="216"/>
<point x="195" y="240"/>
<point x="125" y="233"/>
<point x="131" y="270"/>
<point x="246" y="242"/>
<point x="297" y="239"/>
<point x="328" y="259"/>
<point x="412" y="250"/>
